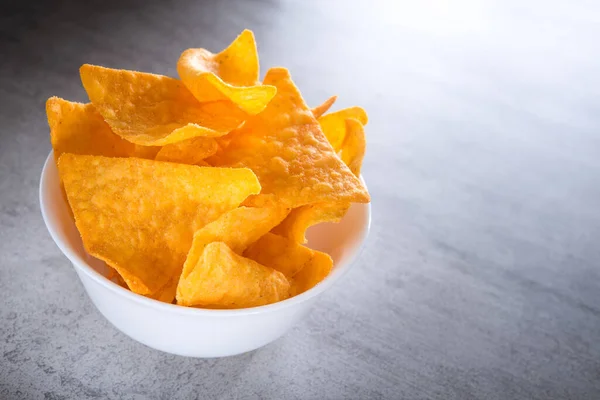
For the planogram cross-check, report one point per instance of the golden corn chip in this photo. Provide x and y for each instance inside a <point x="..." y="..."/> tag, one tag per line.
<point x="190" y="151"/>
<point x="286" y="255"/>
<point x="323" y="108"/>
<point x="230" y="75"/>
<point x="167" y="292"/>
<point x="139" y="216"/>
<point x="114" y="276"/>
<point x="237" y="228"/>
<point x="225" y="279"/>
<point x="314" y="272"/>
<point x="78" y="128"/>
<point x="294" y="226"/>
<point x="286" y="149"/>
<point x="334" y="124"/>
<point x="300" y="219"/>
<point x="155" y="110"/>
<point x="354" y="146"/>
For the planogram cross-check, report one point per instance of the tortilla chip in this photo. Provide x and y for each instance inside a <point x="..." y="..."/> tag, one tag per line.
<point x="333" y="124"/>
<point x="230" y="75"/>
<point x="300" y="219"/>
<point x="237" y="228"/>
<point x="225" y="279"/>
<point x="155" y="110"/>
<point x="286" y="255"/>
<point x="167" y="292"/>
<point x="79" y="129"/>
<point x="313" y="273"/>
<point x="354" y="146"/>
<point x="294" y="226"/>
<point x="323" y="108"/>
<point x="190" y="151"/>
<point x="139" y="216"/>
<point x="286" y="149"/>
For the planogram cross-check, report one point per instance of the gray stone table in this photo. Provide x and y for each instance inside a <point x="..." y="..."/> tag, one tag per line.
<point x="481" y="277"/>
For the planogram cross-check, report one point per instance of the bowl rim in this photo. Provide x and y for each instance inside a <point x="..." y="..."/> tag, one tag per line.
<point x="81" y="264"/>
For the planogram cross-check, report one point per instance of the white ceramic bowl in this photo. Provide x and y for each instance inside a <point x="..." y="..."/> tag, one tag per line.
<point x="191" y="331"/>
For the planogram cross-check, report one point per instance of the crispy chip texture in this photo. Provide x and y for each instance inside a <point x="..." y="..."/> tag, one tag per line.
<point x="155" y="110"/>
<point x="294" y="226"/>
<point x="286" y="149"/>
<point x="230" y="75"/>
<point x="352" y="152"/>
<point x="334" y="124"/>
<point x="354" y="146"/>
<point x="78" y="128"/>
<point x="323" y="108"/>
<point x="225" y="279"/>
<point x="167" y="292"/>
<point x="139" y="216"/>
<point x="237" y="228"/>
<point x="191" y="151"/>
<point x="200" y="191"/>
<point x="287" y="256"/>
<point x="314" y="272"/>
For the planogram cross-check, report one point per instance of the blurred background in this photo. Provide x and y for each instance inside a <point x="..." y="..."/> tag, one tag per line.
<point x="481" y="277"/>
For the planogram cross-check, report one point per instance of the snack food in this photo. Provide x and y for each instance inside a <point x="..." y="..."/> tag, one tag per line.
<point x="288" y="152"/>
<point x="304" y="267"/>
<point x="334" y="127"/>
<point x="224" y="279"/>
<point x="199" y="191"/>
<point x="230" y="75"/>
<point x="139" y="216"/>
<point x="154" y="110"/>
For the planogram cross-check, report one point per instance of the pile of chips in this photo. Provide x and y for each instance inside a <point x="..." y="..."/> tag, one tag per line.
<point x="199" y="191"/>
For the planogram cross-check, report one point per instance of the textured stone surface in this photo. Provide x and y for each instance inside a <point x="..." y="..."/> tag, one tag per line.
<point x="481" y="277"/>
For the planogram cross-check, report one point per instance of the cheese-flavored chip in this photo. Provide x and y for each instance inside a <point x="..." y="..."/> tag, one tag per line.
<point x="155" y="110"/>
<point x="79" y="129"/>
<point x="289" y="154"/>
<point x="190" y="151"/>
<point x="294" y="226"/>
<point x="139" y="216"/>
<point x="334" y="124"/>
<point x="323" y="108"/>
<point x="287" y="256"/>
<point x="221" y="278"/>
<point x="354" y="146"/>
<point x="237" y="228"/>
<point x="230" y="75"/>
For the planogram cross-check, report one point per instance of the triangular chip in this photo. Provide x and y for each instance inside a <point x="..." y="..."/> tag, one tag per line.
<point x="354" y="146"/>
<point x="323" y="108"/>
<point x="230" y="75"/>
<point x="305" y="267"/>
<point x="191" y="151"/>
<point x="333" y="124"/>
<point x="312" y="274"/>
<point x="294" y="226"/>
<point x="167" y="292"/>
<point x="139" y="216"/>
<point x="300" y="219"/>
<point x="221" y="278"/>
<point x="155" y="110"/>
<point x="237" y="228"/>
<point x="78" y="128"/>
<point x="286" y="149"/>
